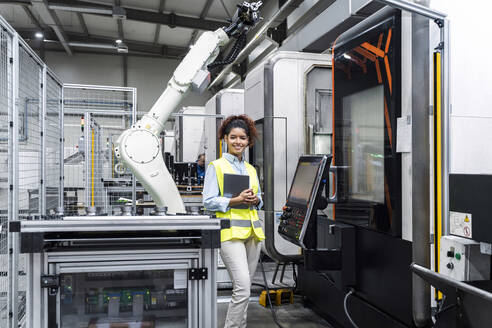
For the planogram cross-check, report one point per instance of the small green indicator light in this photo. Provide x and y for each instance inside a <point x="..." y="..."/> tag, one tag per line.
<point x="457" y="256"/>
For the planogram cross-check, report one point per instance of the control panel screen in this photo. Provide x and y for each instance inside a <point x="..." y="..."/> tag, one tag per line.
<point x="304" y="179"/>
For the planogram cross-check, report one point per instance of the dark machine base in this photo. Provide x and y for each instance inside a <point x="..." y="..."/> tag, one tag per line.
<point x="383" y="289"/>
<point x="473" y="311"/>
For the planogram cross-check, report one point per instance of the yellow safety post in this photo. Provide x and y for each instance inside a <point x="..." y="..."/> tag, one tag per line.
<point x="92" y="168"/>
<point x="437" y="160"/>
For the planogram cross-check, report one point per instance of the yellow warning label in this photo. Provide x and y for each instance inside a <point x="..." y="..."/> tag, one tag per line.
<point x="467" y="219"/>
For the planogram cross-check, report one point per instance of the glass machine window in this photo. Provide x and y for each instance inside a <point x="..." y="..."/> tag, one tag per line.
<point x="367" y="102"/>
<point x="364" y="144"/>
<point x="150" y="298"/>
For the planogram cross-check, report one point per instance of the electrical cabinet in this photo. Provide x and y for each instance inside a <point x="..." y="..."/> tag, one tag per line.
<point x="461" y="259"/>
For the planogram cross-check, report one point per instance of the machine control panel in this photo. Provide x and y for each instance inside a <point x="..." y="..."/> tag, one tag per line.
<point x="292" y="220"/>
<point x="298" y="220"/>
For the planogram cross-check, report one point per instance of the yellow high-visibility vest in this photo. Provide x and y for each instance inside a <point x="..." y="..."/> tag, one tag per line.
<point x="244" y="222"/>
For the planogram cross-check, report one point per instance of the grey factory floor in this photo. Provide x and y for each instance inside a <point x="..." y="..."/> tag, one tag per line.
<point x="289" y="315"/>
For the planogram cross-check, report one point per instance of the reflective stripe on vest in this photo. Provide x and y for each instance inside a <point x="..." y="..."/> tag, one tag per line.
<point x="244" y="222"/>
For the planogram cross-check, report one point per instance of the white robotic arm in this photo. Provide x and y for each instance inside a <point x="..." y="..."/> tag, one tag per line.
<point x="139" y="148"/>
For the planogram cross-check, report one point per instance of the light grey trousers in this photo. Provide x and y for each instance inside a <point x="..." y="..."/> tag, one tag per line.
<point x="240" y="258"/>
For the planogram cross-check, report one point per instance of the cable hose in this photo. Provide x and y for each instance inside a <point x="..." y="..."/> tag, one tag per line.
<point x="236" y="49"/>
<point x="346" y="309"/>
<point x="230" y="57"/>
<point x="274" y="315"/>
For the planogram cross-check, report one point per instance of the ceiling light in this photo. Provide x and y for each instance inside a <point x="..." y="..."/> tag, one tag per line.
<point x="346" y="56"/>
<point x="119" y="41"/>
<point x="39" y="35"/>
<point x="122" y="48"/>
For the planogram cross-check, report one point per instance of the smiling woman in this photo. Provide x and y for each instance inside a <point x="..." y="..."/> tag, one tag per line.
<point x="240" y="244"/>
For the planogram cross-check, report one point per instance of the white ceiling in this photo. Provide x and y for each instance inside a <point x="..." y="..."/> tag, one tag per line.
<point x="107" y="26"/>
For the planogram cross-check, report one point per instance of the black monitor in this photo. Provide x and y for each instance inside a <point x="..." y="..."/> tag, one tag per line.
<point x="305" y="191"/>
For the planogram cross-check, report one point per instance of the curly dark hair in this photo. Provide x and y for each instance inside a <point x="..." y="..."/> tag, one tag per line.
<point x="239" y="121"/>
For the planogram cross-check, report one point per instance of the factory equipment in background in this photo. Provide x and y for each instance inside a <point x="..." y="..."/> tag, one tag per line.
<point x="189" y="133"/>
<point x="288" y="96"/>
<point x="224" y="103"/>
<point x="95" y="182"/>
<point x="168" y="140"/>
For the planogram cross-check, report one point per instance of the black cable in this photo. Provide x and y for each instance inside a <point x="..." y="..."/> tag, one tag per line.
<point x="236" y="49"/>
<point x="274" y="315"/>
<point x="444" y="309"/>
<point x="346" y="309"/>
<point x="327" y="277"/>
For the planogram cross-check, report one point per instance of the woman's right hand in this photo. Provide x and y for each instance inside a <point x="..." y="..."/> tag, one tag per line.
<point x="245" y="194"/>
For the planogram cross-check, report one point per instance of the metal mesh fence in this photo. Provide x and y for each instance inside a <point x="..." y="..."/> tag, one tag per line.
<point x="116" y="188"/>
<point x="5" y="107"/>
<point x="30" y="147"/>
<point x="52" y="144"/>
<point x="94" y="118"/>
<point x="74" y="164"/>
<point x="30" y="118"/>
<point x="25" y="135"/>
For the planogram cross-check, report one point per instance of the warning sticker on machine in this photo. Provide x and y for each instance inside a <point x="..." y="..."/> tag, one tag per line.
<point x="460" y="224"/>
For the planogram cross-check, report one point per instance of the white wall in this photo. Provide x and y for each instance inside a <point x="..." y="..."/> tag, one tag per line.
<point x="471" y="85"/>
<point x="148" y="75"/>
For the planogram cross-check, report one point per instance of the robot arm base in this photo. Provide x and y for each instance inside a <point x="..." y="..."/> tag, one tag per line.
<point x="141" y="152"/>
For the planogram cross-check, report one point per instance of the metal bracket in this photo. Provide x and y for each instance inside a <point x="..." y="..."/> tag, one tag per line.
<point x="439" y="22"/>
<point x="14" y="226"/>
<point x="198" y="274"/>
<point x="440" y="46"/>
<point x="52" y="282"/>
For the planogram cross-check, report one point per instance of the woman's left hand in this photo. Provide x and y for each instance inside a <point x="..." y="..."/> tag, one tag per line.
<point x="252" y="200"/>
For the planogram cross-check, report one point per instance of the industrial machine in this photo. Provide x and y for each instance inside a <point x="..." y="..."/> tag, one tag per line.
<point x="139" y="147"/>
<point x="298" y="220"/>
<point x="367" y="228"/>
<point x="328" y="246"/>
<point x="101" y="271"/>
<point x="189" y="133"/>
<point x="288" y="96"/>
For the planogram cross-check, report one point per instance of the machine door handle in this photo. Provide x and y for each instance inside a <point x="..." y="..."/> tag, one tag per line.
<point x="333" y="198"/>
<point x="311" y="139"/>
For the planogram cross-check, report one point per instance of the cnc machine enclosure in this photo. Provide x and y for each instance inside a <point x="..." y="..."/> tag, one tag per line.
<point x="190" y="133"/>
<point x="279" y="97"/>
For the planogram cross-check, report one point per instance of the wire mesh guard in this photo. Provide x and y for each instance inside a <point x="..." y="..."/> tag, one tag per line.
<point x="30" y="120"/>
<point x="5" y="107"/>
<point x="94" y="119"/>
<point x="52" y="141"/>
<point x="30" y="117"/>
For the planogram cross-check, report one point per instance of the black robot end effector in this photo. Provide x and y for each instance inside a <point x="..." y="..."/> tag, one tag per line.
<point x="246" y="16"/>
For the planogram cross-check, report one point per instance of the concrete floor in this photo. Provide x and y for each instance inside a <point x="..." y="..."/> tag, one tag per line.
<point x="289" y="315"/>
